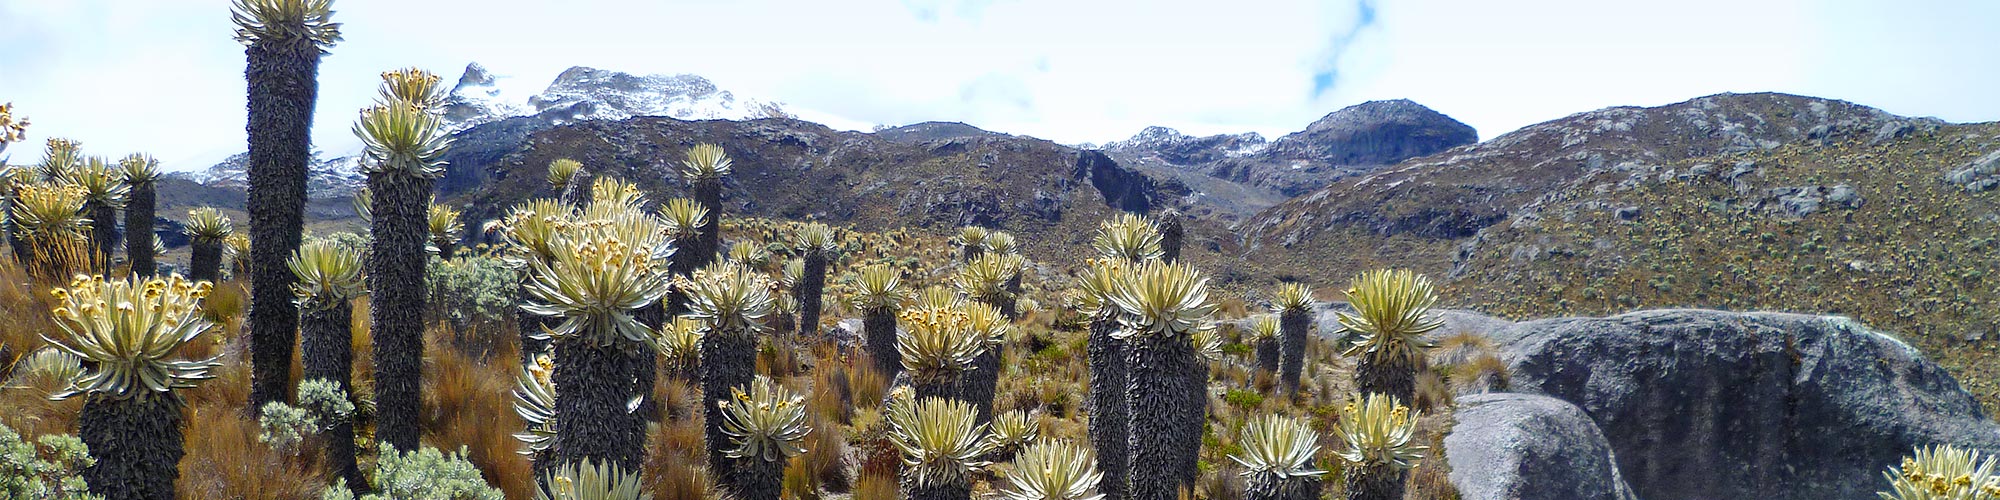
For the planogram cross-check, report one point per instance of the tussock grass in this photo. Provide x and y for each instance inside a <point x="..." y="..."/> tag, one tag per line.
<point x="225" y="460"/>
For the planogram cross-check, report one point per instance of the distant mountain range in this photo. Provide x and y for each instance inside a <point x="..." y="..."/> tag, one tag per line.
<point x="578" y="94"/>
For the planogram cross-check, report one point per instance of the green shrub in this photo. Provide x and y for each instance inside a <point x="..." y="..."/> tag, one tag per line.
<point x="47" y="473"/>
<point x="1247" y="400"/>
<point x="321" y="405"/>
<point x="425" y="474"/>
<point x="284" y="426"/>
<point x="471" y="290"/>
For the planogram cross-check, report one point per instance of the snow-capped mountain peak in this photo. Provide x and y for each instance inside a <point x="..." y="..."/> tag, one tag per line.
<point x="478" y="99"/>
<point x="583" y="93"/>
<point x="578" y="94"/>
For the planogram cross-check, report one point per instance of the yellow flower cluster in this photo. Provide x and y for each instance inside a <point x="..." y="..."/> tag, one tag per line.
<point x="11" y="130"/>
<point x="943" y="341"/>
<point x="171" y="300"/>
<point x="1946" y="483"/>
<point x="40" y="208"/>
<point x="128" y="329"/>
<point x="1377" y="430"/>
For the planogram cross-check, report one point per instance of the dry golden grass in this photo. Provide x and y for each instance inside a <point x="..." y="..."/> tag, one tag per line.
<point x="876" y="487"/>
<point x="675" y="455"/>
<point x="822" y="462"/>
<point x="225" y="460"/>
<point x="468" y="402"/>
<point x="229" y="299"/>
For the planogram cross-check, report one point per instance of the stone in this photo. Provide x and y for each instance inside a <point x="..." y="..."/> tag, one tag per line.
<point x="1772" y="406"/>
<point x="1801" y="202"/>
<point x="1702" y="170"/>
<point x="1742" y="168"/>
<point x="1509" y="446"/>
<point x="1977" y="176"/>
<point x="1628" y="214"/>
<point x="1846" y="196"/>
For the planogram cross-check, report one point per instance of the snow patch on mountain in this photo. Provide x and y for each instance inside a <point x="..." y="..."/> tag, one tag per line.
<point x="326" y="177"/>
<point x="582" y="93"/>
<point x="578" y="94"/>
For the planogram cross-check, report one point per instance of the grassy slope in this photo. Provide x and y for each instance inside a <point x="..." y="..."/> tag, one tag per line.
<point x="1916" y="259"/>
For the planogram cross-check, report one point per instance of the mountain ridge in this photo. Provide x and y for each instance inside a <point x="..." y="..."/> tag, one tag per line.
<point x="1350" y="141"/>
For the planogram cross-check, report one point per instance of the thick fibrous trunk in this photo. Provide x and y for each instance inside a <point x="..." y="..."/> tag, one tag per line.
<point x="1171" y="235"/>
<point x="576" y="192"/>
<point x="1167" y="408"/>
<point x="708" y="193"/>
<point x="1378" y="482"/>
<point x="593" y="385"/>
<point x="283" y="85"/>
<point x="955" y="491"/>
<point x="937" y="387"/>
<point x="326" y="352"/>
<point x="103" y="236"/>
<point x="396" y="263"/>
<point x="879" y="325"/>
<point x="1271" y="488"/>
<point x="1267" y="355"/>
<point x="686" y="259"/>
<point x="137" y="444"/>
<point x="1109" y="418"/>
<point x="728" y="360"/>
<point x="756" y="479"/>
<point x="648" y="370"/>
<point x="811" y="287"/>
<point x="206" y="262"/>
<point x="1013" y="294"/>
<point x="969" y="253"/>
<point x="1391" y="378"/>
<point x="978" y="386"/>
<point x="139" y="230"/>
<point x="1292" y="326"/>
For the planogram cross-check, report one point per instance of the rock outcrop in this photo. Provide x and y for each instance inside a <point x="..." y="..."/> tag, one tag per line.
<point x="1374" y="133"/>
<point x="1699" y="404"/>
<point x="1528" y="447"/>
<point x="1773" y="406"/>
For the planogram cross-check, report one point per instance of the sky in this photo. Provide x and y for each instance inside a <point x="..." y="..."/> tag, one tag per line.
<point x="165" y="76"/>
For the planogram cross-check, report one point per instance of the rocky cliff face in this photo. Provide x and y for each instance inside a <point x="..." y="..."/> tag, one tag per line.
<point x="1354" y="140"/>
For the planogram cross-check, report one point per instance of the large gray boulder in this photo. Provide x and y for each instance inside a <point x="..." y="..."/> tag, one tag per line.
<point x="1718" y="405"/>
<point x="1527" y="447"/>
